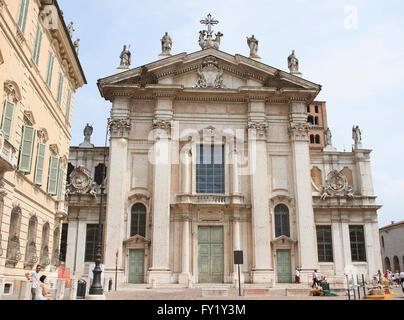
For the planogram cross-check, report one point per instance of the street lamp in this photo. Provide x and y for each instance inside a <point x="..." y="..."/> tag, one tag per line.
<point x="96" y="287"/>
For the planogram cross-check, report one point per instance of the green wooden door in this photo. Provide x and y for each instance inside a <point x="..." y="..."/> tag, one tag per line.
<point x="211" y="255"/>
<point x="284" y="266"/>
<point x="136" y="266"/>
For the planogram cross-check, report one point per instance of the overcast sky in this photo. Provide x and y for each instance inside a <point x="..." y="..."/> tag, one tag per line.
<point x="354" y="49"/>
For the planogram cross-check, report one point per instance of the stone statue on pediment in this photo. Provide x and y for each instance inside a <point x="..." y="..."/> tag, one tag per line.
<point x="125" y="57"/>
<point x="166" y="44"/>
<point x="328" y="137"/>
<point x="357" y="136"/>
<point x="88" y="131"/>
<point x="70" y="29"/>
<point x="293" y="63"/>
<point x="253" y="44"/>
<point x="76" y="46"/>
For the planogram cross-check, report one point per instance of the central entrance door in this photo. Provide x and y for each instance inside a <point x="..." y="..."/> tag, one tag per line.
<point x="211" y="255"/>
<point x="136" y="266"/>
<point x="284" y="266"/>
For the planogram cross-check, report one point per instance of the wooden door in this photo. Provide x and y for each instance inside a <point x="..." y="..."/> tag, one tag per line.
<point x="211" y="255"/>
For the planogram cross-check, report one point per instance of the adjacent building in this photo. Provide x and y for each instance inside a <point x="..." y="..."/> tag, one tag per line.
<point x="391" y="243"/>
<point x="39" y="76"/>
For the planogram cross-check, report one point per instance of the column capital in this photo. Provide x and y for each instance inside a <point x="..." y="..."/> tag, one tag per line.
<point x="120" y="128"/>
<point x="298" y="131"/>
<point x="257" y="130"/>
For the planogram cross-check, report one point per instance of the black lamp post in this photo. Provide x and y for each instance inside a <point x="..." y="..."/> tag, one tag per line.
<point x="96" y="286"/>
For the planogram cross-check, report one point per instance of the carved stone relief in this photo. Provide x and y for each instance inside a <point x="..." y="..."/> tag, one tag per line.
<point x="336" y="185"/>
<point x="81" y="182"/>
<point x="210" y="74"/>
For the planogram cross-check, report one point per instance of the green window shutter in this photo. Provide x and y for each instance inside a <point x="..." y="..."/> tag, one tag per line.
<point x="60" y="183"/>
<point x="53" y="175"/>
<point x="27" y="147"/>
<point x="50" y="69"/>
<point x="7" y="121"/>
<point x="40" y="163"/>
<point x="68" y="102"/>
<point x="60" y="87"/>
<point x="37" y="46"/>
<point x="22" y="15"/>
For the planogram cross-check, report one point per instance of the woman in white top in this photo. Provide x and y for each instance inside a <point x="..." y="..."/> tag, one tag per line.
<point x="41" y="291"/>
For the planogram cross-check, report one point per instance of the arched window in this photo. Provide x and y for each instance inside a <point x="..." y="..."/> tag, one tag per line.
<point x="317" y="139"/>
<point x="310" y="119"/>
<point x="30" y="251"/>
<point x="316" y="120"/>
<point x="396" y="264"/>
<point x="138" y="220"/>
<point x="282" y="221"/>
<point x="311" y="138"/>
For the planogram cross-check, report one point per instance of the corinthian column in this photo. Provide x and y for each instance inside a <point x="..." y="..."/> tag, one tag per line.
<point x="306" y="231"/>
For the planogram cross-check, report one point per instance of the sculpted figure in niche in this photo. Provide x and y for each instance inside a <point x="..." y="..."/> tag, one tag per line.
<point x="166" y="44"/>
<point x="293" y="62"/>
<point x="253" y="44"/>
<point x="125" y="57"/>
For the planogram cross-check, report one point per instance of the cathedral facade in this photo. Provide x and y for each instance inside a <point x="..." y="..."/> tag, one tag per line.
<point x="212" y="153"/>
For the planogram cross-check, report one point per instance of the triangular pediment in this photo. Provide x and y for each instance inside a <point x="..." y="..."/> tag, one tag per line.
<point x="283" y="240"/>
<point x="137" y="239"/>
<point x="207" y="69"/>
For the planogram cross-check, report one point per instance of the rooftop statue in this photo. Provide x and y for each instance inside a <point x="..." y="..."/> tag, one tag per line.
<point x="293" y="63"/>
<point x="88" y="131"/>
<point x="166" y="44"/>
<point x="125" y="57"/>
<point x="70" y="29"/>
<point x="253" y="44"/>
<point x="357" y="136"/>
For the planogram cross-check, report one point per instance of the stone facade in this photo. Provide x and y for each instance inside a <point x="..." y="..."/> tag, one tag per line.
<point x="391" y="242"/>
<point x="281" y="202"/>
<point x="39" y="75"/>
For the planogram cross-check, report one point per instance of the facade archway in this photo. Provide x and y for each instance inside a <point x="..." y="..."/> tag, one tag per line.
<point x="387" y="265"/>
<point x="138" y="220"/>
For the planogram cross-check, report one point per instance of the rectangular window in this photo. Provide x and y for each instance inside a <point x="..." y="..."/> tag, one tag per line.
<point x="91" y="242"/>
<point x="60" y="88"/>
<point x="68" y="101"/>
<point x="27" y="147"/>
<point x="53" y="175"/>
<point x="210" y="169"/>
<point x="37" y="45"/>
<point x="357" y="238"/>
<point x="22" y="15"/>
<point x="324" y="244"/>
<point x="49" y="72"/>
<point x="7" y="120"/>
<point x="40" y="163"/>
<point x="63" y="242"/>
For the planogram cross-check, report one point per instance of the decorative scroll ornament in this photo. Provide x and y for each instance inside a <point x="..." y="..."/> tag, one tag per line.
<point x="210" y="74"/>
<point x="81" y="183"/>
<point x="259" y="127"/>
<point x="336" y="185"/>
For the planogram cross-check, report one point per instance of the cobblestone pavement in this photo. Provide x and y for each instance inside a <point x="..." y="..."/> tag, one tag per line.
<point x="196" y="294"/>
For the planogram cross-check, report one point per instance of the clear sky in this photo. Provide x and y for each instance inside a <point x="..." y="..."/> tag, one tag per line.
<point x="354" y="49"/>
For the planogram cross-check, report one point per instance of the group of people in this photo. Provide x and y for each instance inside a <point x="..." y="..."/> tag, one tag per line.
<point x="38" y="288"/>
<point x="396" y="278"/>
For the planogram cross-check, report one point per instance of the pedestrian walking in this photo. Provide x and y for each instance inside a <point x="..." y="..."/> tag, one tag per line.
<point x="34" y="277"/>
<point x="315" y="279"/>
<point x="402" y="276"/>
<point x="297" y="275"/>
<point x="41" y="292"/>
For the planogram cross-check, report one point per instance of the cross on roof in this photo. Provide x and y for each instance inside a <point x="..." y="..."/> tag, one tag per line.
<point x="209" y="22"/>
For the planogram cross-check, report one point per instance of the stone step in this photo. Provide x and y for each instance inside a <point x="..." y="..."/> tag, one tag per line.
<point x="256" y="291"/>
<point x="215" y="292"/>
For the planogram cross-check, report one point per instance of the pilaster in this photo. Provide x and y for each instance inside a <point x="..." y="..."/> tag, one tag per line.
<point x="258" y="166"/>
<point x="115" y="231"/>
<point x="306" y="231"/>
